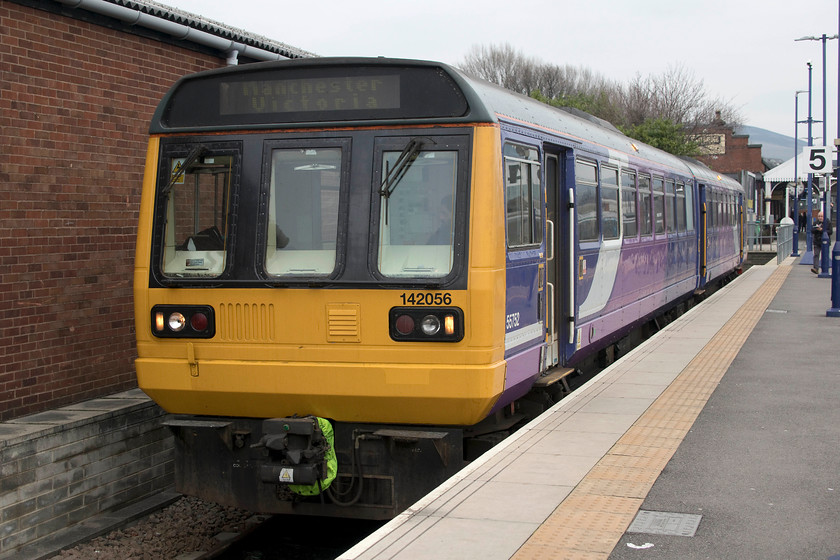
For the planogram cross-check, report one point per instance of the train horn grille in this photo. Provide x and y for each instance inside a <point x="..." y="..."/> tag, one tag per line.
<point x="246" y="322"/>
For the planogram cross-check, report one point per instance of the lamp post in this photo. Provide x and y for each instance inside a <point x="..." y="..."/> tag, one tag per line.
<point x="834" y="310"/>
<point x="824" y="38"/>
<point x="795" y="252"/>
<point x="808" y="257"/>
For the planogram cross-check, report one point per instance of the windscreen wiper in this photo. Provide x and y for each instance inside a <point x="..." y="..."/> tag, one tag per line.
<point x="194" y="154"/>
<point x="393" y="175"/>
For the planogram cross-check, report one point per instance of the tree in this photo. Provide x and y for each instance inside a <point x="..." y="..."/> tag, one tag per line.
<point x="509" y="68"/>
<point x="677" y="96"/>
<point x="663" y="134"/>
<point x="670" y="111"/>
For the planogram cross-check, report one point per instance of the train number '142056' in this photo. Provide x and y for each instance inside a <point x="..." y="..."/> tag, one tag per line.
<point x="426" y="298"/>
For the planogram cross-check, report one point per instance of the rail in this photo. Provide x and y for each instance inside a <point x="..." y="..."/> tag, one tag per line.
<point x="770" y="238"/>
<point x="784" y="242"/>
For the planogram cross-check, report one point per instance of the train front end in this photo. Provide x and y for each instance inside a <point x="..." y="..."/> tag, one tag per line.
<point x="319" y="282"/>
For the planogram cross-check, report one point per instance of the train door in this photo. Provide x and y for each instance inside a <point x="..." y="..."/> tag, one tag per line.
<point x="560" y="300"/>
<point x="702" y="232"/>
<point x="740" y="219"/>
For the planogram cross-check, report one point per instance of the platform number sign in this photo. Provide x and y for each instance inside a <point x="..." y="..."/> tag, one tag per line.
<point x="818" y="159"/>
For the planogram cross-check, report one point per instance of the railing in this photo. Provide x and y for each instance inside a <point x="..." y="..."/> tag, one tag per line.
<point x="770" y="238"/>
<point x="784" y="242"/>
<point x="761" y="237"/>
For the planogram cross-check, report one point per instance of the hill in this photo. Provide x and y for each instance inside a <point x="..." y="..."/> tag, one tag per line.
<point x="775" y="147"/>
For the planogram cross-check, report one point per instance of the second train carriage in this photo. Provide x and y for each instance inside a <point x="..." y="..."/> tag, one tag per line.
<point x="343" y="265"/>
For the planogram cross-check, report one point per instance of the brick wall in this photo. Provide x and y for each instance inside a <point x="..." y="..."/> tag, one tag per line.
<point x="740" y="155"/>
<point x="76" y="98"/>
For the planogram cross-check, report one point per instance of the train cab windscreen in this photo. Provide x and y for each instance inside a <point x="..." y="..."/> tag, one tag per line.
<point x="303" y="211"/>
<point x="196" y="200"/>
<point x="417" y="212"/>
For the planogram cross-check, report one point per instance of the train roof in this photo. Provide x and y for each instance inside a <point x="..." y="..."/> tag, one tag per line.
<point x="428" y="92"/>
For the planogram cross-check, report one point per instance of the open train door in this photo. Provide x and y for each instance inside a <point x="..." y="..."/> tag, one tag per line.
<point x="560" y="253"/>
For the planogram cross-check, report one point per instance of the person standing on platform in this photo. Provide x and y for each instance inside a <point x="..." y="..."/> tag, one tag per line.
<point x="816" y="239"/>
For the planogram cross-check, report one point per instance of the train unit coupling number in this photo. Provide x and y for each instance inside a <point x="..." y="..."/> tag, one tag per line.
<point x="512" y="321"/>
<point x="426" y="298"/>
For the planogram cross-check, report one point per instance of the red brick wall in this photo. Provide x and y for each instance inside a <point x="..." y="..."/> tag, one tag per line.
<point x="76" y="99"/>
<point x="740" y="155"/>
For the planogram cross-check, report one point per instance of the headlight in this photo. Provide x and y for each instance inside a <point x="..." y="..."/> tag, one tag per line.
<point x="177" y="322"/>
<point x="430" y="325"/>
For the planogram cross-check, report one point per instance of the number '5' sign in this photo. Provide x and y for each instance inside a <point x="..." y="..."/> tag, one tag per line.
<point x="818" y="159"/>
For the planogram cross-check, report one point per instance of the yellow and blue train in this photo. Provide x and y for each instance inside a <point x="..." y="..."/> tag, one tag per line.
<point x="346" y="266"/>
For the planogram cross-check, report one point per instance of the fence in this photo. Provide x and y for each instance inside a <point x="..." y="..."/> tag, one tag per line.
<point x="770" y="238"/>
<point x="784" y="242"/>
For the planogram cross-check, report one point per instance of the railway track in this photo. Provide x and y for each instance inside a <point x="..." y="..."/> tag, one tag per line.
<point x="297" y="538"/>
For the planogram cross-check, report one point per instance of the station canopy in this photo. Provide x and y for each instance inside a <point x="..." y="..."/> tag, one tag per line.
<point x="784" y="172"/>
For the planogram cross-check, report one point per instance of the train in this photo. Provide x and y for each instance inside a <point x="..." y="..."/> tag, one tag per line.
<point x="350" y="270"/>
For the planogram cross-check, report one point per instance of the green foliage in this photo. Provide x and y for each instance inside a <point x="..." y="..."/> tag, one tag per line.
<point x="597" y="105"/>
<point x="663" y="134"/>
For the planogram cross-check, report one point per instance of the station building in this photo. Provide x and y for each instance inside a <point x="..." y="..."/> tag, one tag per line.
<point x="80" y="82"/>
<point x="730" y="153"/>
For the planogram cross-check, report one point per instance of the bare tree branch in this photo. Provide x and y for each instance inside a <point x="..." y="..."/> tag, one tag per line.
<point x="676" y="95"/>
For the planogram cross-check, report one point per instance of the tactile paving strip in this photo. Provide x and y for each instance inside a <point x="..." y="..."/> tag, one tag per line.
<point x="593" y="518"/>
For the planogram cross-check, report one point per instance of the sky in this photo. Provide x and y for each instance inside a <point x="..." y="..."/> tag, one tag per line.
<point x="743" y="51"/>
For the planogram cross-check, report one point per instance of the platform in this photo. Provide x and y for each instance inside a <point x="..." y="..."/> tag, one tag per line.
<point x="717" y="438"/>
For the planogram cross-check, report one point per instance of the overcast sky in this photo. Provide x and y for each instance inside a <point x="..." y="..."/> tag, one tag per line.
<point x="743" y="50"/>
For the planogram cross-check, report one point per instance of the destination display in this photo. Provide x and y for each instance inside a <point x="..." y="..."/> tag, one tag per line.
<point x="309" y="94"/>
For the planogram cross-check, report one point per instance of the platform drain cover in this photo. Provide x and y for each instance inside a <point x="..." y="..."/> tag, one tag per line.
<point x="664" y="523"/>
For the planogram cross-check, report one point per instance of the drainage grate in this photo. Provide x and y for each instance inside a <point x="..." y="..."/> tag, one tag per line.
<point x="664" y="523"/>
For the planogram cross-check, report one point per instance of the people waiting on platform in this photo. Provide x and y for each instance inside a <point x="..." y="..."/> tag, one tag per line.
<point x="817" y="228"/>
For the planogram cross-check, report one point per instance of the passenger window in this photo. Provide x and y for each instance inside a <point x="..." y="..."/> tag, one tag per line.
<point x="659" y="204"/>
<point x="689" y="207"/>
<point x="523" y="200"/>
<point x="680" y="207"/>
<point x="670" y="205"/>
<point x="710" y="209"/>
<point x="303" y="211"/>
<point x="732" y="210"/>
<point x="197" y="200"/>
<point x="714" y="210"/>
<point x="646" y="206"/>
<point x="586" y="201"/>
<point x="728" y="210"/>
<point x="609" y="203"/>
<point x="628" y="203"/>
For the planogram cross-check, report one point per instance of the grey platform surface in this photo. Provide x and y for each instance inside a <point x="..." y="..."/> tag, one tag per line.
<point x="762" y="462"/>
<point x="761" y="465"/>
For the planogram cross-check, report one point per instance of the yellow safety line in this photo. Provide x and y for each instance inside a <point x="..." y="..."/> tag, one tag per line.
<point x="593" y="518"/>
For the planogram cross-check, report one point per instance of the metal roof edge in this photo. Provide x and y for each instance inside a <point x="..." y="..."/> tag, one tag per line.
<point x="248" y="44"/>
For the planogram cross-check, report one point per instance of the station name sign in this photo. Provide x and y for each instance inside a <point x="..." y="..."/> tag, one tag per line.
<point x="346" y="93"/>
